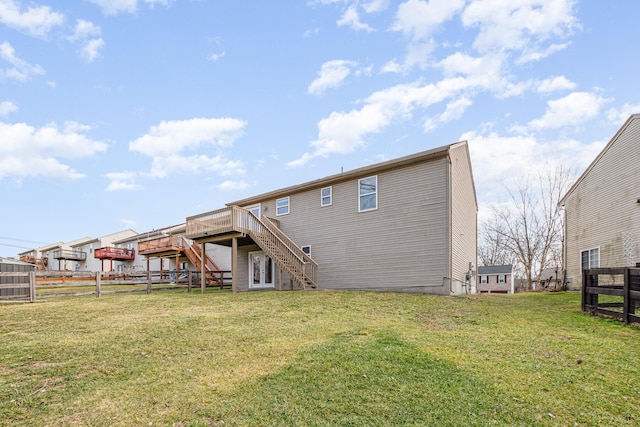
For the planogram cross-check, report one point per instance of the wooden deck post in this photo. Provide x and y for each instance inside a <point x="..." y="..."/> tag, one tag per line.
<point x="234" y="264"/>
<point x="203" y="270"/>
<point x="98" y="287"/>
<point x="190" y="278"/>
<point x="32" y="286"/>
<point x="149" y="281"/>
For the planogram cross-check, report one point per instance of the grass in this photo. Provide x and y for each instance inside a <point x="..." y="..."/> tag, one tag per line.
<point x="180" y="359"/>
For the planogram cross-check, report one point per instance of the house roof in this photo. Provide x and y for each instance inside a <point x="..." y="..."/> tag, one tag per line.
<point x="495" y="269"/>
<point x="553" y="273"/>
<point x="172" y="229"/>
<point x="597" y="159"/>
<point x="356" y="173"/>
<point x="13" y="261"/>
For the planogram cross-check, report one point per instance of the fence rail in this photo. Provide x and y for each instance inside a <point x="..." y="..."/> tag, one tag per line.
<point x="24" y="286"/>
<point x="615" y="282"/>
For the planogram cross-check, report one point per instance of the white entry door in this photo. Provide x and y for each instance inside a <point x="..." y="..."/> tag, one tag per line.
<point x="261" y="271"/>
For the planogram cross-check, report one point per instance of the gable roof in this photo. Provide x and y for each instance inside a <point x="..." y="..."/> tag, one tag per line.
<point x="495" y="269"/>
<point x="432" y="154"/>
<point x="597" y="159"/>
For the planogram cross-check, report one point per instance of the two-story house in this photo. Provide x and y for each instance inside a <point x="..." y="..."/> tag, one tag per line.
<point x="408" y="224"/>
<point x="602" y="208"/>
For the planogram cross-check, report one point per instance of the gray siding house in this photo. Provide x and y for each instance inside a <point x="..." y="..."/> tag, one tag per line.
<point x="408" y="224"/>
<point x="602" y="208"/>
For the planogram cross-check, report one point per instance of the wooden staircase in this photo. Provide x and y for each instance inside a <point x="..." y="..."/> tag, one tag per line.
<point x="283" y="251"/>
<point x="194" y="254"/>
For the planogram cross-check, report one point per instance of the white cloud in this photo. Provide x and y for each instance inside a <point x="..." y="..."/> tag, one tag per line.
<point x="35" y="20"/>
<point x="172" y="137"/>
<point x="455" y="110"/>
<point x="232" y="185"/>
<point x="122" y="181"/>
<point x="571" y="110"/>
<point x="175" y="146"/>
<point x="519" y="25"/>
<point x="85" y="29"/>
<point x="114" y="7"/>
<point x="91" y="49"/>
<point x="36" y="152"/>
<point x="342" y="133"/>
<point x="554" y="84"/>
<point x="418" y="19"/>
<point x="374" y="6"/>
<point x="7" y="107"/>
<point x="332" y="74"/>
<point x="351" y="18"/>
<point x="618" y="116"/>
<point x="21" y="70"/>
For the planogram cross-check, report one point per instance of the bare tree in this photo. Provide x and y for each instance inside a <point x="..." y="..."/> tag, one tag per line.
<point x="492" y="249"/>
<point x="530" y="227"/>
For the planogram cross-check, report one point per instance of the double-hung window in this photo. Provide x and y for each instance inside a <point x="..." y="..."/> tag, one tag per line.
<point x="484" y="280"/>
<point x="326" y="196"/>
<point x="590" y="258"/>
<point x="502" y="278"/>
<point x="282" y="206"/>
<point x="368" y="194"/>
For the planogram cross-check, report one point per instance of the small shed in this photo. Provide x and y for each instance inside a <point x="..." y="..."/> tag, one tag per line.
<point x="497" y="279"/>
<point x="8" y="265"/>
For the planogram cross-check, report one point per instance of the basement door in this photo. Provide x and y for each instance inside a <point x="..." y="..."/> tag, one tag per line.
<point x="261" y="271"/>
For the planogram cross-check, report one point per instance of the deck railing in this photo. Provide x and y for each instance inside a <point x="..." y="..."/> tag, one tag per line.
<point x="109" y="252"/>
<point x="76" y="255"/>
<point x="160" y="244"/>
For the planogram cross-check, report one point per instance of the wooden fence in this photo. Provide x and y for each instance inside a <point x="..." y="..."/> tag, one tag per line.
<point x="46" y="284"/>
<point x="616" y="282"/>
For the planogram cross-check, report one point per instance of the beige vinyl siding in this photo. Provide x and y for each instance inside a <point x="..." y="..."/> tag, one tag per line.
<point x="402" y="245"/>
<point x="603" y="206"/>
<point x="464" y="214"/>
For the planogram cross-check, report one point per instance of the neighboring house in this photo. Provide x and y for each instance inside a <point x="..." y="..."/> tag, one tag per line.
<point x="496" y="279"/>
<point x="550" y="278"/>
<point x="602" y="208"/>
<point x="99" y="254"/>
<point x="408" y="224"/>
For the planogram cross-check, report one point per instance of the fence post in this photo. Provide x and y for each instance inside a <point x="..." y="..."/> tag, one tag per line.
<point x="626" y="302"/>
<point x="149" y="281"/>
<point x="98" y="287"/>
<point x="32" y="286"/>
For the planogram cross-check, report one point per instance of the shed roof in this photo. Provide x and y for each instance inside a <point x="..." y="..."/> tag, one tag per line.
<point x="495" y="269"/>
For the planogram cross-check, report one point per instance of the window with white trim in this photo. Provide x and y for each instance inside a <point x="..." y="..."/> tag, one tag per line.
<point x="368" y="194"/>
<point x="306" y="249"/>
<point x="502" y="278"/>
<point x="590" y="258"/>
<point x="484" y="280"/>
<point x="282" y="206"/>
<point x="326" y="196"/>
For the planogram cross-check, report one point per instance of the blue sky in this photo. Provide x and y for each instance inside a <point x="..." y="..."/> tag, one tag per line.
<point x="136" y="114"/>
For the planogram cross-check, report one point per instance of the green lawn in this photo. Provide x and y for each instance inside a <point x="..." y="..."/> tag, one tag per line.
<point x="174" y="358"/>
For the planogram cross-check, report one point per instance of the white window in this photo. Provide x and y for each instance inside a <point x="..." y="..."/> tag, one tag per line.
<point x="282" y="206"/>
<point x="590" y="258"/>
<point x="368" y="193"/>
<point x="326" y="196"/>
<point x="484" y="280"/>
<point x="502" y="278"/>
<point x="306" y="249"/>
